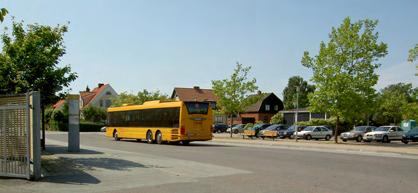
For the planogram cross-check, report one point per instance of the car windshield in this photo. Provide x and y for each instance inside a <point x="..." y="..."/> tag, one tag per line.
<point x="271" y="127"/>
<point x="282" y="128"/>
<point x="360" y="128"/>
<point x="382" y="129"/>
<point x="309" y="128"/>
<point x="238" y="126"/>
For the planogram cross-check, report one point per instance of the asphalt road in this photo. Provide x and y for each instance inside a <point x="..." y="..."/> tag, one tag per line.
<point x="263" y="169"/>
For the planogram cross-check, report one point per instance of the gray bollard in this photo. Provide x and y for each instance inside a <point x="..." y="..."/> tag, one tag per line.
<point x="73" y="123"/>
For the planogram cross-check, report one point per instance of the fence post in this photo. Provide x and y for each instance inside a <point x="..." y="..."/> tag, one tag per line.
<point x="73" y="123"/>
<point x="36" y="135"/>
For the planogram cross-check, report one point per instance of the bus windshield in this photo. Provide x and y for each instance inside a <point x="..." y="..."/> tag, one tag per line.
<point x="197" y="107"/>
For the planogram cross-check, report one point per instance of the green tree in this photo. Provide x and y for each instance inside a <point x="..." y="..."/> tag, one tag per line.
<point x="233" y="93"/>
<point x="3" y="13"/>
<point x="344" y="70"/>
<point x="29" y="61"/>
<point x="396" y="102"/>
<point x="413" y="56"/>
<point x="138" y="99"/>
<point x="289" y="93"/>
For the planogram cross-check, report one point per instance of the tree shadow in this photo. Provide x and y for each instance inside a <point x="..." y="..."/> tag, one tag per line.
<point x="54" y="149"/>
<point x="77" y="170"/>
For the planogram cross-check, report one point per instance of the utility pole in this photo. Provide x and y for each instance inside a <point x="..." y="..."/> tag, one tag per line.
<point x="297" y="112"/>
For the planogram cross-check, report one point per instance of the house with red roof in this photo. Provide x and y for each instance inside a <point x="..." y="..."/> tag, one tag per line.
<point x="99" y="97"/>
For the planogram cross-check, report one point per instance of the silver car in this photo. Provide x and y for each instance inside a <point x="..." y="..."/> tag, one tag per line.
<point x="357" y="133"/>
<point x="315" y="132"/>
<point x="384" y="134"/>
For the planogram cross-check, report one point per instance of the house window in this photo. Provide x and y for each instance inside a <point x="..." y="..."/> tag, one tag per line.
<point x="108" y="93"/>
<point x="267" y="107"/>
<point x="108" y="103"/>
<point x="276" y="107"/>
<point x="101" y="103"/>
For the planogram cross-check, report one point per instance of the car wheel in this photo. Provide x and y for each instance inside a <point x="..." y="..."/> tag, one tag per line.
<point x="236" y="131"/>
<point x="115" y="136"/>
<point x="385" y="139"/>
<point x="328" y="137"/>
<point x="359" y="138"/>
<point x="345" y="140"/>
<point x="149" y="137"/>
<point x="308" y="137"/>
<point x="405" y="141"/>
<point x="185" y="142"/>
<point x="159" y="138"/>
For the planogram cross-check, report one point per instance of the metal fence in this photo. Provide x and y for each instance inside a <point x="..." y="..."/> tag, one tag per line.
<point x="17" y="149"/>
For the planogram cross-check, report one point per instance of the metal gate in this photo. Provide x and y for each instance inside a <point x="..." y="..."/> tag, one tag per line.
<point x="17" y="148"/>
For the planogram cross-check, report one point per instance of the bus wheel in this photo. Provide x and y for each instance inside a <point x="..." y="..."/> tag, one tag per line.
<point x="185" y="142"/>
<point x="159" y="138"/>
<point x="149" y="137"/>
<point x="115" y="136"/>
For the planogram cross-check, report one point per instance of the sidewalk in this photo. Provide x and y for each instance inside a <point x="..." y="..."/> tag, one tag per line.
<point x="393" y="147"/>
<point x="98" y="169"/>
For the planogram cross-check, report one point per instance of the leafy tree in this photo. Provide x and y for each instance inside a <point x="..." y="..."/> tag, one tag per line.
<point x="233" y="93"/>
<point x="29" y="61"/>
<point x="344" y="70"/>
<point x="94" y="114"/>
<point x="413" y="56"/>
<point x="3" y="13"/>
<point x="289" y="93"/>
<point x="396" y="102"/>
<point x="277" y="118"/>
<point x="138" y="99"/>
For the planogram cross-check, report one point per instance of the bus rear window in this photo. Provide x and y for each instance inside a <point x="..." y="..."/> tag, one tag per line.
<point x="197" y="107"/>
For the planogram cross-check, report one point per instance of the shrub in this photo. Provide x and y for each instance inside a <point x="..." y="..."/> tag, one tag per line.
<point x="248" y="126"/>
<point x="277" y="118"/>
<point x="94" y="114"/>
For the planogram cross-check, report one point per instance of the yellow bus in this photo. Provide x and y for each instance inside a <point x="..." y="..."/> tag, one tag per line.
<point x="159" y="122"/>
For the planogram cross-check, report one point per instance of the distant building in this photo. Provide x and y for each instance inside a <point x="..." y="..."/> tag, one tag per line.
<point x="303" y="115"/>
<point x="265" y="108"/>
<point x="200" y="95"/>
<point x="98" y="97"/>
<point x="195" y="94"/>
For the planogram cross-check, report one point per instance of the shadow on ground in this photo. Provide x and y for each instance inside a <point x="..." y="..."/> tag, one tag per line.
<point x="192" y="144"/>
<point x="53" y="149"/>
<point x="76" y="170"/>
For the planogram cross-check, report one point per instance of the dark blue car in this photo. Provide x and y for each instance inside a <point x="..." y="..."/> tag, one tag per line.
<point x="410" y="136"/>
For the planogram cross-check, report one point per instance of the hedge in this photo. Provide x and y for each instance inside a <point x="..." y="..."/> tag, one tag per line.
<point x="84" y="126"/>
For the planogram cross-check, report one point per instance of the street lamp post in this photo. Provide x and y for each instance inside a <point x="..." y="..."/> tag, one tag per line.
<point x="297" y="112"/>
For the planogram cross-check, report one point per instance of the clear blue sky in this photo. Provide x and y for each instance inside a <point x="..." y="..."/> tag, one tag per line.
<point x="162" y="44"/>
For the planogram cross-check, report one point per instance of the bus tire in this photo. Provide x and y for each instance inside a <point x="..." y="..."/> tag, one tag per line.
<point x="159" y="137"/>
<point x="115" y="136"/>
<point x="149" y="137"/>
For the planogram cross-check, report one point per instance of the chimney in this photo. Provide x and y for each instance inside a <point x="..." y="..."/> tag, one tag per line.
<point x="100" y="85"/>
<point x="87" y="89"/>
<point x="196" y="87"/>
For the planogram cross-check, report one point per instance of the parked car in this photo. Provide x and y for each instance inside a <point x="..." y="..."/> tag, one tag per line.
<point x="274" y="127"/>
<point x="357" y="133"/>
<point x="410" y="136"/>
<point x="289" y="131"/>
<point x="315" y="132"/>
<point x="220" y="128"/>
<point x="239" y="128"/>
<point x="384" y="134"/>
<point x="258" y="127"/>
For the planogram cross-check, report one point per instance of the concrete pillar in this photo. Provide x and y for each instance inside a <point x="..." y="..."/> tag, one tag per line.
<point x="73" y="123"/>
<point x="36" y="135"/>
